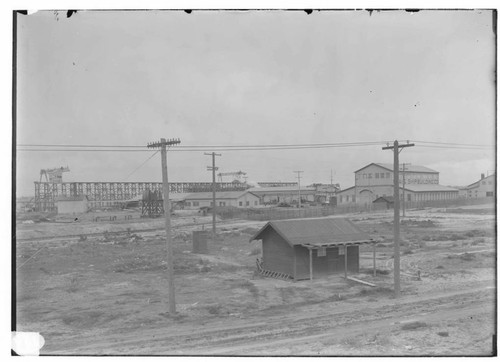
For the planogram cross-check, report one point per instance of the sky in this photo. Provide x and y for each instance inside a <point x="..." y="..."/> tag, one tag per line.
<point x="255" y="78"/>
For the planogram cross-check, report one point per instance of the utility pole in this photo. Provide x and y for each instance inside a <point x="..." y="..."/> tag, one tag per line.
<point x="163" y="144"/>
<point x="214" y="186"/>
<point x="396" y="149"/>
<point x="298" y="177"/>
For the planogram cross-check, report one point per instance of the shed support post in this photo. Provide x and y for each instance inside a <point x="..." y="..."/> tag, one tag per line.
<point x="374" y="262"/>
<point x="294" y="265"/>
<point x="310" y="265"/>
<point x="345" y="261"/>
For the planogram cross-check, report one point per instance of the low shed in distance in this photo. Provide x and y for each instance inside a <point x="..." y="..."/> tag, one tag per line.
<point x="72" y="205"/>
<point x="307" y="248"/>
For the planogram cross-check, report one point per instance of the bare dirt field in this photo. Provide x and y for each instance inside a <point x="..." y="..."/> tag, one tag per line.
<point x="100" y="288"/>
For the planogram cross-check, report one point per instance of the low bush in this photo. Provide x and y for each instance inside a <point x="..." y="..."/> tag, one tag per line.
<point x="413" y="325"/>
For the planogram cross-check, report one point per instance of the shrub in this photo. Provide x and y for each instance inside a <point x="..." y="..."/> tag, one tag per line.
<point x="413" y="325"/>
<point x="478" y="241"/>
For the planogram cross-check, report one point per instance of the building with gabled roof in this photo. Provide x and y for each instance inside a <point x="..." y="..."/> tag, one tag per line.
<point x="485" y="187"/>
<point x="307" y="248"/>
<point x="417" y="183"/>
<point x="240" y="199"/>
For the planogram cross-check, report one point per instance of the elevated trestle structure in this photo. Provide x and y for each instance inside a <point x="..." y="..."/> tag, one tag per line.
<point x="104" y="194"/>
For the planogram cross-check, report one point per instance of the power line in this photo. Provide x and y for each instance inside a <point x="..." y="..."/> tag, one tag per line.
<point x="451" y="143"/>
<point x="142" y="164"/>
<point x="209" y="146"/>
<point x="198" y="148"/>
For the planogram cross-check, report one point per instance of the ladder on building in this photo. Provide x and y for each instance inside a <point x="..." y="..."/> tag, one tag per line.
<point x="271" y="274"/>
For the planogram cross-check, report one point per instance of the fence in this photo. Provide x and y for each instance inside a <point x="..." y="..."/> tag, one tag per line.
<point x="289" y="213"/>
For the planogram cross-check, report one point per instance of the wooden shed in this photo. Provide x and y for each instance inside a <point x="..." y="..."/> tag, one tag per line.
<point x="384" y="203"/>
<point x="307" y="248"/>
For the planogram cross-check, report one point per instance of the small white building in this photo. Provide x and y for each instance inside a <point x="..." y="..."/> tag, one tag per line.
<point x="240" y="199"/>
<point x="287" y="194"/>
<point x="485" y="187"/>
<point x="72" y="205"/>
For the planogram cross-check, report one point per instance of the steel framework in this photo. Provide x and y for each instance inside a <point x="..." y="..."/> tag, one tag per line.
<point x="102" y="194"/>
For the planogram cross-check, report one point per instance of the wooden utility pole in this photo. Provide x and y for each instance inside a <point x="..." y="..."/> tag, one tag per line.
<point x="214" y="186"/>
<point x="163" y="144"/>
<point x="396" y="151"/>
<point x="298" y="177"/>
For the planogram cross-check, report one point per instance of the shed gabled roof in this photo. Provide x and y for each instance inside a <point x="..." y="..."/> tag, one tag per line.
<point x="314" y="231"/>
<point x="389" y="199"/>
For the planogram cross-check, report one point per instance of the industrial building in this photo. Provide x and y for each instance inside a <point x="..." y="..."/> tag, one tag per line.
<point x="417" y="183"/>
<point x="240" y="199"/>
<point x="308" y="248"/>
<point x="285" y="194"/>
<point x="485" y="187"/>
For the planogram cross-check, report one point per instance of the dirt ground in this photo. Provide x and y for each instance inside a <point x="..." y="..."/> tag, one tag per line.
<point x="100" y="288"/>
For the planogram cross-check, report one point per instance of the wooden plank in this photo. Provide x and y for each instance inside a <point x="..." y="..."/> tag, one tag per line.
<point x="361" y="281"/>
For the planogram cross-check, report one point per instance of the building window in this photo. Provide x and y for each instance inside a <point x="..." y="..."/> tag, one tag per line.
<point x="188" y="203"/>
<point x="248" y="203"/>
<point x="409" y="197"/>
<point x="340" y="198"/>
<point x="346" y="198"/>
<point x="255" y="203"/>
<point x="489" y="193"/>
<point x="240" y="203"/>
<point x="484" y="182"/>
<point x="221" y="203"/>
<point x="376" y="175"/>
<point x="381" y="175"/>
<point x="369" y="175"/>
<point x="196" y="203"/>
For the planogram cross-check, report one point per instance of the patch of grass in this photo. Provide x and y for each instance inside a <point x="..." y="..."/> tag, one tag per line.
<point x="413" y="325"/>
<point x="74" y="284"/>
<point x="354" y="342"/>
<point x="249" y="231"/>
<point x="478" y="241"/>
<point x="215" y="309"/>
<point x="467" y="257"/>
<point x="440" y="267"/>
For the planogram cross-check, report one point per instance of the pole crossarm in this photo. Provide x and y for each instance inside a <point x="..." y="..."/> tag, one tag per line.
<point x="164" y="143"/>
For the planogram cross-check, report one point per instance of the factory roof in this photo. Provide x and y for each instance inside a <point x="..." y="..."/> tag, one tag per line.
<point x="280" y="189"/>
<point x="219" y="195"/>
<point x="428" y="188"/>
<point x="408" y="168"/>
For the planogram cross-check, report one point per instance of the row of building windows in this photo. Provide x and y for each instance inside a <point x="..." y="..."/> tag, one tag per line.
<point x="221" y="203"/>
<point x="377" y="175"/>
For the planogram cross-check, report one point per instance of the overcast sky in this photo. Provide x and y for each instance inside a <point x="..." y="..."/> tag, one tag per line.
<point x="257" y="77"/>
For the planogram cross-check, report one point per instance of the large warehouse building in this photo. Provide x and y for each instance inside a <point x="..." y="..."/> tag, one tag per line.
<point x="376" y="180"/>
